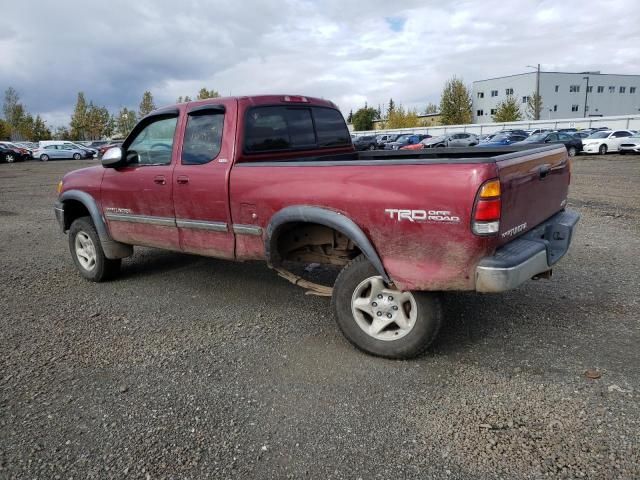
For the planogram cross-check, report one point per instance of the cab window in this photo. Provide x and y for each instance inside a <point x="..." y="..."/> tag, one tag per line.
<point x="153" y="144"/>
<point x="202" y="138"/>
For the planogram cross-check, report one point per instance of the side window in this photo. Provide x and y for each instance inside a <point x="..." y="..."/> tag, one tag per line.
<point x="553" y="137"/>
<point x="331" y="128"/>
<point x="202" y="138"/>
<point x="564" y="136"/>
<point x="278" y="128"/>
<point x="154" y="143"/>
<point x="622" y="134"/>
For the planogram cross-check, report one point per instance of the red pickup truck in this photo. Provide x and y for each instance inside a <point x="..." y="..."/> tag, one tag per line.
<point x="277" y="178"/>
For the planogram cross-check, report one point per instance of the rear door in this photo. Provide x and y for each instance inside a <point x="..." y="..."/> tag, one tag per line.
<point x="534" y="187"/>
<point x="200" y="180"/>
<point x="617" y="138"/>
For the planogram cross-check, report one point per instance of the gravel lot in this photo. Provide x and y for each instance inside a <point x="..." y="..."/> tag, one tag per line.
<point x="189" y="367"/>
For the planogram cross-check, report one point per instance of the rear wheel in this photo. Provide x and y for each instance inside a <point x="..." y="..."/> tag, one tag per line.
<point x="381" y="319"/>
<point x="44" y="157"/>
<point x="602" y="150"/>
<point x="87" y="252"/>
<point x="10" y="158"/>
<point x="572" y="151"/>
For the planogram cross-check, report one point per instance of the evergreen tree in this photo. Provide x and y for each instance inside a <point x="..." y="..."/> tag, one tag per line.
<point x="203" y="94"/>
<point x="79" y="118"/>
<point x="391" y="107"/>
<point x="125" y="121"/>
<point x="455" y="103"/>
<point x="146" y="105"/>
<point x="508" y="110"/>
<point x="363" y="119"/>
<point x="350" y="117"/>
<point x="534" y="106"/>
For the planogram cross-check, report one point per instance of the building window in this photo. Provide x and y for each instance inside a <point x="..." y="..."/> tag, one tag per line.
<point x="494" y="93"/>
<point x="555" y="108"/>
<point x="480" y="94"/>
<point x="612" y="89"/>
<point x="509" y="91"/>
<point x="590" y="89"/>
<point x="623" y="89"/>
<point x="525" y="99"/>
<point x="480" y="113"/>
<point x="632" y="89"/>
<point x="600" y="89"/>
<point x="574" y="108"/>
<point x="494" y="111"/>
<point x="557" y="88"/>
<point x="574" y="88"/>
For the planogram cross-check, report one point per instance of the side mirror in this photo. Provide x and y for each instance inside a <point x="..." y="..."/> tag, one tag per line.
<point x="112" y="158"/>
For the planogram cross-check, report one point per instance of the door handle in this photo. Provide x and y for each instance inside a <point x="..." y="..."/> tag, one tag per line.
<point x="160" y="180"/>
<point x="544" y="171"/>
<point x="183" y="179"/>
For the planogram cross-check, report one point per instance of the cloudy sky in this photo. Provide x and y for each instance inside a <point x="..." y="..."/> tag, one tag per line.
<point x="346" y="51"/>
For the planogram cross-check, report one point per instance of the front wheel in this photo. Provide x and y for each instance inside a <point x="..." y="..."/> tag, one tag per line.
<point x="76" y="156"/>
<point x="602" y="150"/>
<point x="87" y="252"/>
<point x="380" y="319"/>
<point x="44" y="157"/>
<point x="572" y="151"/>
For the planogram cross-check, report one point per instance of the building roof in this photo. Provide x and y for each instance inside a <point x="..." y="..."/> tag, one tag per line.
<point x="533" y="72"/>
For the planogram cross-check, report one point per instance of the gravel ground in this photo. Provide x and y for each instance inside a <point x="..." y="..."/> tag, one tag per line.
<point x="188" y="367"/>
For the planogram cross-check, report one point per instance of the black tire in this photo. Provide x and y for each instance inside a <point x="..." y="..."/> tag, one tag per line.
<point x="572" y="151"/>
<point x="372" y="147"/>
<point x="622" y="152"/>
<point x="44" y="157"/>
<point x="602" y="150"/>
<point x="104" y="268"/>
<point x="77" y="156"/>
<point x="412" y="344"/>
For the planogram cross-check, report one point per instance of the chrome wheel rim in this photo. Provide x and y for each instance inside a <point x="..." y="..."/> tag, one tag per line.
<point x="572" y="152"/>
<point x="85" y="251"/>
<point x="381" y="312"/>
<point x="9" y="158"/>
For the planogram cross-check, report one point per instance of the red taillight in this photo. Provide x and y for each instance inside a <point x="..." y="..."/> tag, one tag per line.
<point x="487" y="209"/>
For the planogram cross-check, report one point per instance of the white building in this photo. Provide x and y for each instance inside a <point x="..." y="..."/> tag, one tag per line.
<point x="564" y="95"/>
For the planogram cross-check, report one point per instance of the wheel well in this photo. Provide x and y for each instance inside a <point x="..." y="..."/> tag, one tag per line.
<point x="73" y="209"/>
<point x="308" y="242"/>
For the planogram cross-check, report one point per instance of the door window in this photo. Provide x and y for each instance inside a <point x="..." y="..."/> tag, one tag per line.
<point x="202" y="138"/>
<point x="621" y="134"/>
<point x="552" y="138"/>
<point x="153" y="144"/>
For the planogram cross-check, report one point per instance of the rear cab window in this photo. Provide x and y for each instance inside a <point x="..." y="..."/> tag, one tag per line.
<point x="291" y="128"/>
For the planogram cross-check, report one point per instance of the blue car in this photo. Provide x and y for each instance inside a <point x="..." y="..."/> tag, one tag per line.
<point x="502" y="139"/>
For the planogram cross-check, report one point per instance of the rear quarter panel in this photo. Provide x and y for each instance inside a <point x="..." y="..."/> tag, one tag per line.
<point x="417" y="255"/>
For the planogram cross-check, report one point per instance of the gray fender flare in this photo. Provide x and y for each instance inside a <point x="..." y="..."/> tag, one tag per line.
<point x="321" y="216"/>
<point x="112" y="249"/>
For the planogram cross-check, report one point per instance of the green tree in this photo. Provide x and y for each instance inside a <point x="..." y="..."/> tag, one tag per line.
<point x="97" y="122"/>
<point x="5" y="130"/>
<point x="534" y="106"/>
<point x="14" y="112"/>
<point x="431" y="108"/>
<point x="40" y="130"/>
<point x="79" y="118"/>
<point x="62" y="133"/>
<point x="182" y="99"/>
<point x="508" y="110"/>
<point x="401" y="118"/>
<point x="350" y="117"/>
<point x="363" y="119"/>
<point x="146" y="105"/>
<point x="125" y="121"/>
<point x="391" y="106"/>
<point x="455" y="103"/>
<point x="203" y="94"/>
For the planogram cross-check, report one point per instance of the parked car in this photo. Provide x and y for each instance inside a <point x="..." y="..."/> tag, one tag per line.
<point x="573" y="144"/>
<point x="8" y="155"/>
<point x="45" y="143"/>
<point x="20" y="154"/>
<point x="385" y="138"/>
<point x="402" y="140"/>
<point x="582" y="134"/>
<point x="366" y="142"/>
<point x="54" y="152"/>
<point x="462" y="139"/>
<point x="535" y="131"/>
<point x="418" y="146"/>
<point x="502" y="139"/>
<point x="515" y="131"/>
<point x="630" y="145"/>
<point x="97" y="143"/>
<point x="404" y="232"/>
<point x="605" y="141"/>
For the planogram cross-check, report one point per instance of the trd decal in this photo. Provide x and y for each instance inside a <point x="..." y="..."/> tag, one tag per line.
<point x="422" y="216"/>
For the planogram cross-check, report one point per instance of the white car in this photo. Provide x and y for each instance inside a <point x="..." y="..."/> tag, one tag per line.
<point x="630" y="145"/>
<point x="605" y="141"/>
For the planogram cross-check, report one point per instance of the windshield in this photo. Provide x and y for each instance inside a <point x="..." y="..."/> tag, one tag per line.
<point x="402" y="138"/>
<point x="599" y="135"/>
<point x="501" y="137"/>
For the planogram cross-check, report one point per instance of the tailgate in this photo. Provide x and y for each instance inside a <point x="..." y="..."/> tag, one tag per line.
<point x="534" y="185"/>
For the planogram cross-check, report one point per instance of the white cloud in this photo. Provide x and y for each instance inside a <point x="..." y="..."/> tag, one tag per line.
<point x="348" y="52"/>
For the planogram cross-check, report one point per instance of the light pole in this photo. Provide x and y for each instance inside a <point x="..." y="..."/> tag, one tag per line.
<point x="586" y="96"/>
<point x="537" y="97"/>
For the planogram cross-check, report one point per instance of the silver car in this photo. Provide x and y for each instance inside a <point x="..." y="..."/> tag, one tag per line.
<point x="59" y="151"/>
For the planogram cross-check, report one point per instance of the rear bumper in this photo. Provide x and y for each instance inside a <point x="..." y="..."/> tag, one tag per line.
<point x="532" y="254"/>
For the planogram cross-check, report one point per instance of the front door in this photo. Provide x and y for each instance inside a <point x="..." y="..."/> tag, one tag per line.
<point x="137" y="199"/>
<point x="200" y="181"/>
